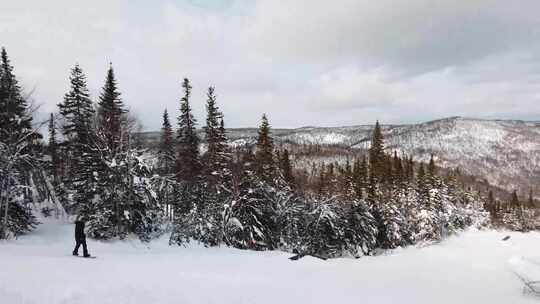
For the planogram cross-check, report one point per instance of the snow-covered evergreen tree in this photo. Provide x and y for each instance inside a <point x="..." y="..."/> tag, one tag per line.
<point x="188" y="157"/>
<point x="250" y="222"/>
<point x="286" y="168"/>
<point x="188" y="196"/>
<point x="166" y="146"/>
<point x="264" y="153"/>
<point x="325" y="233"/>
<point x="79" y="152"/>
<point x="20" y="165"/>
<point x="217" y="157"/>
<point x="111" y="113"/>
<point x="52" y="149"/>
<point x="15" y="119"/>
<point x="361" y="230"/>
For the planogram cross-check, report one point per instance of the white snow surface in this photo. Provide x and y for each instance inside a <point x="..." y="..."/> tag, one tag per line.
<point x="473" y="267"/>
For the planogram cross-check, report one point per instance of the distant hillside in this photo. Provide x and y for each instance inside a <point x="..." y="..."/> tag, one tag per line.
<point x="504" y="152"/>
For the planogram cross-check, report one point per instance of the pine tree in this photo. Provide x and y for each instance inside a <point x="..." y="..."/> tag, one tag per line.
<point x="217" y="156"/>
<point x="410" y="169"/>
<point x="397" y="169"/>
<point x="53" y="149"/>
<point x="489" y="205"/>
<point x="361" y="228"/>
<point x="20" y="167"/>
<point x="77" y="111"/>
<point x="346" y="180"/>
<point x="514" y="201"/>
<point x="372" y="189"/>
<point x="377" y="157"/>
<point x="286" y="168"/>
<point x="15" y="121"/>
<point x="322" y="182"/>
<point x="530" y="201"/>
<point x="432" y="170"/>
<point x="190" y="195"/>
<point x="515" y="217"/>
<point x="108" y="212"/>
<point x="357" y="179"/>
<point x="166" y="145"/>
<point x="331" y="180"/>
<point x="110" y="113"/>
<point x="491" y="200"/>
<point x="79" y="152"/>
<point x="325" y="230"/>
<point x="264" y="154"/>
<point x="188" y="158"/>
<point x="217" y="188"/>
<point x="78" y="160"/>
<point x="364" y="171"/>
<point x="421" y="175"/>
<point x="166" y="166"/>
<point x="422" y="183"/>
<point x="251" y="223"/>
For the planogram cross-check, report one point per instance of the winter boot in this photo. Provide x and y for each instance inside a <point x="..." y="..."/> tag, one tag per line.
<point x="75" y="253"/>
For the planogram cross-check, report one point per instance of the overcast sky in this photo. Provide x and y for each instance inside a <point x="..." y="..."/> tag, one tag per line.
<point x="303" y="62"/>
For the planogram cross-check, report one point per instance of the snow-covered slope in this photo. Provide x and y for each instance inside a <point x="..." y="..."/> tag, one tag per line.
<point x="470" y="268"/>
<point x="504" y="152"/>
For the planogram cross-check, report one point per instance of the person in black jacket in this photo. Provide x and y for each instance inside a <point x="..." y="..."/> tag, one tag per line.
<point x="80" y="239"/>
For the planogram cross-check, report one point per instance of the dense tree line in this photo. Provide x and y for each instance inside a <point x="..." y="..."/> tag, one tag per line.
<point x="205" y="190"/>
<point x="513" y="213"/>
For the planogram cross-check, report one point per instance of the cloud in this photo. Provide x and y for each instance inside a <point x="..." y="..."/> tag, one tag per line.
<point x="303" y="62"/>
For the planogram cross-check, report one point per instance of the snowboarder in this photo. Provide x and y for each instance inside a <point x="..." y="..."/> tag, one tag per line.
<point x="80" y="239"/>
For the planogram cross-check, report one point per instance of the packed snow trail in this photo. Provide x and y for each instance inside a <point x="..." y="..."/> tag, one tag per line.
<point x="470" y="268"/>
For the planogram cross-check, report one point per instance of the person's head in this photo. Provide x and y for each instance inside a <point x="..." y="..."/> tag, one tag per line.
<point x="79" y="218"/>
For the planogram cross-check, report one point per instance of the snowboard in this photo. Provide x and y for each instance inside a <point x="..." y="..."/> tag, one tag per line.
<point x="82" y="256"/>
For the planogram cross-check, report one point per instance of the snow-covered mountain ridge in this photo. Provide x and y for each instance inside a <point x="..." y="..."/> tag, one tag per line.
<point x="504" y="152"/>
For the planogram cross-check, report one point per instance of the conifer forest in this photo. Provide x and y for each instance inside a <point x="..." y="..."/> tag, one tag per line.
<point x="199" y="187"/>
<point x="265" y="152"/>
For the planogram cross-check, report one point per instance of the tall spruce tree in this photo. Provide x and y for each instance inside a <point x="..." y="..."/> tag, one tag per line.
<point x="397" y="169"/>
<point x="286" y="168"/>
<point x="77" y="111"/>
<point x="514" y="201"/>
<point x="357" y="179"/>
<point x="377" y="157"/>
<point x="79" y="152"/>
<point x="493" y="207"/>
<point x="77" y="117"/>
<point x="53" y="149"/>
<point x="15" y="120"/>
<point x="530" y="201"/>
<point x="19" y="166"/>
<point x="423" y="184"/>
<point x="264" y="154"/>
<point x="188" y="157"/>
<point x="110" y="113"/>
<point x="166" y="145"/>
<point x="217" y="156"/>
<point x="432" y="170"/>
<point x="190" y="202"/>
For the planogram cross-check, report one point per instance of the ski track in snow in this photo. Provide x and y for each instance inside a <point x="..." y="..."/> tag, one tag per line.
<point x="473" y="267"/>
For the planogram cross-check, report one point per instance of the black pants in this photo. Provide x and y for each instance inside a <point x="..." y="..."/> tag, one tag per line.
<point x="79" y="243"/>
